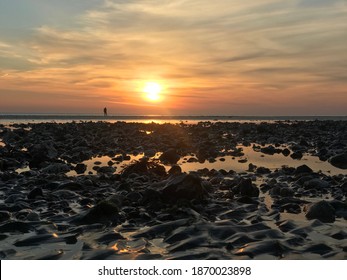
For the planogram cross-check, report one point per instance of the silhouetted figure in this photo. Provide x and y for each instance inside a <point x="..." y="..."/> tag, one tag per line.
<point x="105" y="112"/>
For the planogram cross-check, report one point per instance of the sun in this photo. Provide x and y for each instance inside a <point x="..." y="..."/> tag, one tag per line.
<point x="152" y="91"/>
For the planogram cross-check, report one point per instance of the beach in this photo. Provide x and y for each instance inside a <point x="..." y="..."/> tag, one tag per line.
<point x="182" y="190"/>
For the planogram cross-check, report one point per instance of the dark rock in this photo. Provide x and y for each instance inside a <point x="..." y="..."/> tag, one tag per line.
<point x="263" y="170"/>
<point x="144" y="167"/>
<point x="106" y="169"/>
<point x="72" y="186"/>
<point x="150" y="153"/>
<point x="80" y="168"/>
<point x="296" y="155"/>
<point x="286" y="152"/>
<point x="246" y="188"/>
<point x="175" y="170"/>
<point x="251" y="167"/>
<point x="103" y="212"/>
<point x="316" y="184"/>
<point x="322" y="211"/>
<point x="56" y="168"/>
<point x="192" y="159"/>
<point x="4" y="216"/>
<point x="183" y="187"/>
<point x="303" y="169"/>
<point x="42" y="152"/>
<point x="169" y="156"/>
<point x="270" y="150"/>
<point x="37" y="192"/>
<point x="293" y="208"/>
<point x="339" y="161"/>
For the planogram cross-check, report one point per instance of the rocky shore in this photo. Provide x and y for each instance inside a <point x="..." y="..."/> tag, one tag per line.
<point x="53" y="205"/>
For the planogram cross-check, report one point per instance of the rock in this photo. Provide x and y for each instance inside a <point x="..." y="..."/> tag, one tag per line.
<point x="65" y="194"/>
<point x="175" y="170"/>
<point x="72" y="186"/>
<point x="251" y="167"/>
<point x="286" y="152"/>
<point x="170" y="156"/>
<point x="296" y="155"/>
<point x="303" y="169"/>
<point x="270" y="150"/>
<point x="150" y="153"/>
<point x="344" y="187"/>
<point x="4" y="216"/>
<point x="263" y="170"/>
<point x="192" y="159"/>
<point x="246" y="188"/>
<point x="56" y="168"/>
<point x="80" y="168"/>
<point x="322" y="211"/>
<point x="316" y="184"/>
<point x="33" y="217"/>
<point x="37" y="192"/>
<point x="42" y="152"/>
<point x="339" y="161"/>
<point x="103" y="212"/>
<point x="293" y="208"/>
<point x="106" y="169"/>
<point x="183" y="187"/>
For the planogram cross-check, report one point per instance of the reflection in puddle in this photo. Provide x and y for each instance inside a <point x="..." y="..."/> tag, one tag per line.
<point x="227" y="163"/>
<point x="261" y="160"/>
<point x="190" y="163"/>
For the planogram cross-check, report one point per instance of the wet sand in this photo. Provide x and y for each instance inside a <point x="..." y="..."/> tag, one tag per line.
<point x="98" y="190"/>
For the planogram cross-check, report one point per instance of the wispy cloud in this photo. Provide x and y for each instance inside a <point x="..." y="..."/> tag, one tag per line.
<point x="224" y="51"/>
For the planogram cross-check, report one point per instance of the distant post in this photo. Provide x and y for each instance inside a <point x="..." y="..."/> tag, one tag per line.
<point x="105" y="112"/>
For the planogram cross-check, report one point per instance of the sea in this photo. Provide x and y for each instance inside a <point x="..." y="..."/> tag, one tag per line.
<point x="63" y="118"/>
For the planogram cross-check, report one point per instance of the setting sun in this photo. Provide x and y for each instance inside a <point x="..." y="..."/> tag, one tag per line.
<point x="152" y="91"/>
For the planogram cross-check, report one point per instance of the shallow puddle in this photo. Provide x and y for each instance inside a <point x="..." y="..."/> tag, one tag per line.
<point x="227" y="163"/>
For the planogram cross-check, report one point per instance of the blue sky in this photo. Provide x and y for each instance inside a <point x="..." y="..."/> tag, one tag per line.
<point x="265" y="57"/>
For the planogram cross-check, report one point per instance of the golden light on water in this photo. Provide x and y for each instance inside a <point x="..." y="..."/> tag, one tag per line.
<point x="119" y="250"/>
<point x="152" y="90"/>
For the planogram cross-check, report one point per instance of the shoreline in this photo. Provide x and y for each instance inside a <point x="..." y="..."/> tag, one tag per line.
<point x="159" y="207"/>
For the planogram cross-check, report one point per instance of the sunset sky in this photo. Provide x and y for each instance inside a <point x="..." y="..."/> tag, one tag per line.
<point x="224" y="57"/>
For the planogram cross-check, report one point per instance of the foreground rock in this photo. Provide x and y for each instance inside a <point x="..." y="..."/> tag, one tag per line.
<point x="246" y="188"/>
<point x="103" y="212"/>
<point x="322" y="211"/>
<point x="185" y="186"/>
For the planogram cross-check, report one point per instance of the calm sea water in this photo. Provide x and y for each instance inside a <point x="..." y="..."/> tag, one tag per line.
<point x="37" y="118"/>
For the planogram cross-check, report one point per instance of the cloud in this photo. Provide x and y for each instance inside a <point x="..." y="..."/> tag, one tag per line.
<point x="198" y="48"/>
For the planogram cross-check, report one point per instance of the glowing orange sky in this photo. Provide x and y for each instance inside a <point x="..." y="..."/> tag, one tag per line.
<point x="227" y="57"/>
